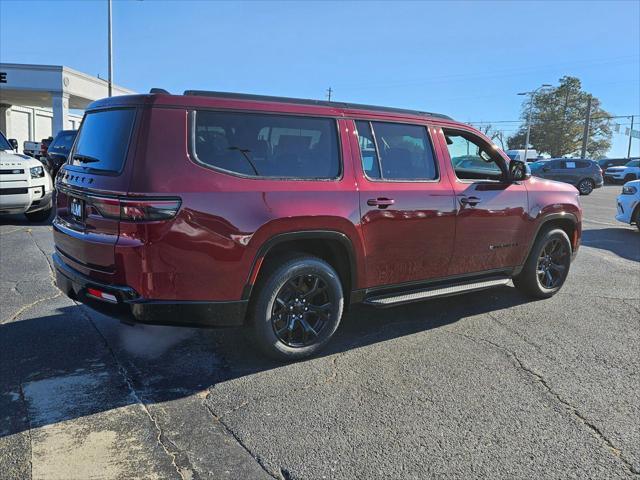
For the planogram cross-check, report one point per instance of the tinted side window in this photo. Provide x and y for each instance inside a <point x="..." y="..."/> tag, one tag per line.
<point x="263" y="145"/>
<point x="368" y="153"/>
<point x="573" y="164"/>
<point x="104" y="139"/>
<point x="471" y="158"/>
<point x="555" y="165"/>
<point x="404" y="151"/>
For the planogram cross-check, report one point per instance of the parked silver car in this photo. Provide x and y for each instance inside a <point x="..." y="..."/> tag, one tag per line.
<point x="585" y="175"/>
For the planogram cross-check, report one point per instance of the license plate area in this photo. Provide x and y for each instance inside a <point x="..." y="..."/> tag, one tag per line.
<point x="76" y="209"/>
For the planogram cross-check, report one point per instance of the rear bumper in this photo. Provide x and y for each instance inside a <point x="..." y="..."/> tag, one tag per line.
<point x="160" y="312"/>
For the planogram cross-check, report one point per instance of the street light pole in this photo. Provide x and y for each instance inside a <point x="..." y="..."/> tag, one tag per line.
<point x="533" y="94"/>
<point x="110" y="48"/>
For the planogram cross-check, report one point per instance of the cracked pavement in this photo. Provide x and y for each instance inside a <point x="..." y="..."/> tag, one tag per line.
<point x="484" y="385"/>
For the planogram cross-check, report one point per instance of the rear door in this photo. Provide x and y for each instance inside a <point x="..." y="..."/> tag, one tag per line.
<point x="86" y="226"/>
<point x="492" y="213"/>
<point x="406" y="203"/>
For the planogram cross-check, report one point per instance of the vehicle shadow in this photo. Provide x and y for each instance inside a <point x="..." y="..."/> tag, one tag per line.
<point x="70" y="364"/>
<point x="624" y="242"/>
<point x="22" y="221"/>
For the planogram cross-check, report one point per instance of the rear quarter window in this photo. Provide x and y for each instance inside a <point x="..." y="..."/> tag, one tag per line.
<point x="266" y="145"/>
<point x="103" y="140"/>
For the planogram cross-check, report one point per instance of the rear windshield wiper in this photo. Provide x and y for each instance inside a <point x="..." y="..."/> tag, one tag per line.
<point x="244" y="152"/>
<point x="85" y="158"/>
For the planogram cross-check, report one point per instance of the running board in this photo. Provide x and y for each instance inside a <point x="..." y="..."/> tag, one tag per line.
<point x="399" y="298"/>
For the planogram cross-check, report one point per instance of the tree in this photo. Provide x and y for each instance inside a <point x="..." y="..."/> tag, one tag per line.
<point x="494" y="134"/>
<point x="557" y="122"/>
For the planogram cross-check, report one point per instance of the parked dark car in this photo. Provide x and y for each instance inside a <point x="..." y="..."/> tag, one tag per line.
<point x="583" y="174"/>
<point x="612" y="162"/>
<point x="58" y="150"/>
<point x="220" y="209"/>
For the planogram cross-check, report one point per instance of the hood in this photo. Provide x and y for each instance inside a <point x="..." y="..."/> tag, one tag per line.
<point x="633" y="183"/>
<point x="553" y="185"/>
<point x="15" y="160"/>
<point x="616" y="169"/>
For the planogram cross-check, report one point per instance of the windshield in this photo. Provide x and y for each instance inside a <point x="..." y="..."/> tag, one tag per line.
<point x="4" y="143"/>
<point x="63" y="141"/>
<point x="633" y="163"/>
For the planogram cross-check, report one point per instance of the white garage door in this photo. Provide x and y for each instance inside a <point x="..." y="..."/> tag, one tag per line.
<point x="44" y="126"/>
<point x="20" y="122"/>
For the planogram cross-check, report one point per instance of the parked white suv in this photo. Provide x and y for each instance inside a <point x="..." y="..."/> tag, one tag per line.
<point x="626" y="173"/>
<point x="25" y="185"/>
<point x="628" y="203"/>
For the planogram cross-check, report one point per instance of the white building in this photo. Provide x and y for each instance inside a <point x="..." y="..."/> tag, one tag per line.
<point x="37" y="101"/>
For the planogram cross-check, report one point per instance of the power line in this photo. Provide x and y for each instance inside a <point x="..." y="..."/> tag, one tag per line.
<point x="609" y="117"/>
<point x="496" y="72"/>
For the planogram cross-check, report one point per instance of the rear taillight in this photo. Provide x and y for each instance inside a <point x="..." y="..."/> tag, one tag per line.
<point x="148" y="210"/>
<point x="129" y="210"/>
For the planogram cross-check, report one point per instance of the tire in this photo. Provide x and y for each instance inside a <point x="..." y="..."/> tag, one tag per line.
<point x="637" y="218"/>
<point x="586" y="186"/>
<point x="40" y="215"/>
<point x="290" y="322"/>
<point x="529" y="280"/>
<point x="629" y="178"/>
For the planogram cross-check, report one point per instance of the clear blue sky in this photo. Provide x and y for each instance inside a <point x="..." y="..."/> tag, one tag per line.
<point x="466" y="59"/>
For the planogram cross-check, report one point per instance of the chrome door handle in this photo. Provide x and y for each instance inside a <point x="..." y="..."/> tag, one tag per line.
<point x="380" y="202"/>
<point x="471" y="201"/>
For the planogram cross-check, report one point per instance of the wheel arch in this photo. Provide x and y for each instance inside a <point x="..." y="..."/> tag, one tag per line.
<point x="566" y="221"/>
<point x="334" y="247"/>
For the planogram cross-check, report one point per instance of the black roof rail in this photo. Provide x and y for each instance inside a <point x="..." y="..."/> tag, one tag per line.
<point x="159" y="90"/>
<point x="308" y="101"/>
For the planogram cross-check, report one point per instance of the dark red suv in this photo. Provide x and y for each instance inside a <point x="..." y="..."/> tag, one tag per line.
<point x="219" y="209"/>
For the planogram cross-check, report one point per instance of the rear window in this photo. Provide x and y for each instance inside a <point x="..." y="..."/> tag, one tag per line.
<point x="264" y="145"/>
<point x="103" y="140"/>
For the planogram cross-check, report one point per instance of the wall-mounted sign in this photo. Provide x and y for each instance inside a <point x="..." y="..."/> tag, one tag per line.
<point x="3" y="77"/>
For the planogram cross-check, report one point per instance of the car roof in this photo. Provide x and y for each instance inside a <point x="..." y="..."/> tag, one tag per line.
<point x="230" y="100"/>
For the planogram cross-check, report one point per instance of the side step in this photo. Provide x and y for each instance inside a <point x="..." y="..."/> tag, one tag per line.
<point x="398" y="298"/>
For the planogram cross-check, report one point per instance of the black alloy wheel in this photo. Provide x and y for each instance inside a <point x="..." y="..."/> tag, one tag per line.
<point x="552" y="264"/>
<point x="547" y="266"/>
<point x="297" y="306"/>
<point x="301" y="311"/>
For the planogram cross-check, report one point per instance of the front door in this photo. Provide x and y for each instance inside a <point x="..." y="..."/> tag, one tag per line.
<point x="492" y="213"/>
<point x="553" y="170"/>
<point x="407" y="205"/>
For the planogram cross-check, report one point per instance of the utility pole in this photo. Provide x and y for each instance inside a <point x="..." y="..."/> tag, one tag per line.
<point x="630" y="137"/>
<point x="533" y="95"/>
<point x="110" y="48"/>
<point x="585" y="134"/>
<point x="329" y="92"/>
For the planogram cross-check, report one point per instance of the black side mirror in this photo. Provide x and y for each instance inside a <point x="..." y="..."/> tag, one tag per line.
<point x="14" y="143"/>
<point x="519" y="171"/>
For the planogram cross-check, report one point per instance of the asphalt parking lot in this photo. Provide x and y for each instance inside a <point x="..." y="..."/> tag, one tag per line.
<point x="486" y="385"/>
